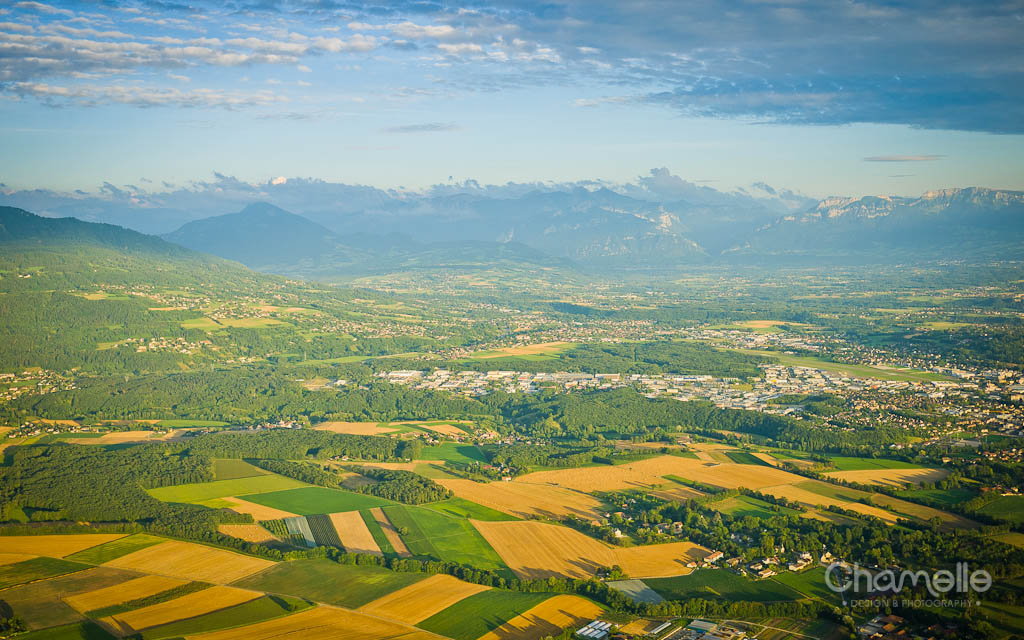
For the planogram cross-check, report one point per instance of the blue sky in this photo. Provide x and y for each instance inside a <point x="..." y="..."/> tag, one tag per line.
<point x="820" y="96"/>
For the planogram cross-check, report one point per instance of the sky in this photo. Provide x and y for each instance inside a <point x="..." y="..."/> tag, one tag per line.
<point x="824" y="97"/>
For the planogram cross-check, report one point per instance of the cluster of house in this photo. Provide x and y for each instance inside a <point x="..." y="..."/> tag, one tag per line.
<point x="33" y="381"/>
<point x="152" y="345"/>
<point x="771" y="565"/>
<point x="726" y="392"/>
<point x="888" y="627"/>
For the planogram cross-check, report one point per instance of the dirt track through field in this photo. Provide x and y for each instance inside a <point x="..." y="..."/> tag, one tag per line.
<point x="390" y="532"/>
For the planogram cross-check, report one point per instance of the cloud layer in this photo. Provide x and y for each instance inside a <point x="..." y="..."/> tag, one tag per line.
<point x="934" y="64"/>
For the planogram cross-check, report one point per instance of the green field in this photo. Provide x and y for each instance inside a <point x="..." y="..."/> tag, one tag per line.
<point x="482" y="612"/>
<point x="222" y="488"/>
<point x="56" y="437"/>
<point x="181" y="424"/>
<point x="1008" y="508"/>
<point x="853" y="370"/>
<point x="743" y="457"/>
<point x="325" y="581"/>
<point x="1015" y="539"/>
<point x="462" y="508"/>
<point x="233" y="469"/>
<point x="434" y="534"/>
<point x="810" y="583"/>
<point x="434" y="472"/>
<point x="378" y="534"/>
<point x="454" y="452"/>
<point x="209" y="324"/>
<point x="78" y="631"/>
<point x="315" y="500"/>
<point x="721" y="583"/>
<point x="1007" y="618"/>
<point x="832" y="491"/>
<point x="551" y="352"/>
<point x="36" y="569"/>
<point x="116" y="548"/>
<point x="947" y="497"/>
<point x="258" y="610"/>
<point x="323" y="530"/>
<point x="842" y="463"/>
<point x="41" y="603"/>
<point x="743" y="506"/>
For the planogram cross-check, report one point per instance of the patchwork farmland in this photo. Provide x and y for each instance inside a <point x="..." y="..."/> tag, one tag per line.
<point x="160" y="588"/>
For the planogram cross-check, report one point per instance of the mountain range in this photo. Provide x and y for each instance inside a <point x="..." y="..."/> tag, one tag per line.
<point x="604" y="229"/>
<point x="577" y="229"/>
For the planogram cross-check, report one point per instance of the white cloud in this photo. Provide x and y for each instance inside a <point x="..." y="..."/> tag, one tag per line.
<point x="460" y="49"/>
<point x="414" y="31"/>
<point x="14" y="26"/>
<point x="595" y="102"/>
<point x="43" y="8"/>
<point x="144" y="96"/>
<point x="92" y="33"/>
<point x="357" y="42"/>
<point x="304" y="69"/>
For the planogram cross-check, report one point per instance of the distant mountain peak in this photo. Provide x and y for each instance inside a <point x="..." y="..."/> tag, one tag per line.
<point x="264" y="209"/>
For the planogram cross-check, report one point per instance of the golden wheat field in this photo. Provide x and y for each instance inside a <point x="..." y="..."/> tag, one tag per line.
<point x="828" y="516"/>
<point x="546" y="619"/>
<point x="118" y="593"/>
<point x="390" y="532"/>
<point x="422" y="599"/>
<point x="323" y="623"/>
<point x="950" y="520"/>
<point x="56" y="546"/>
<point x="811" y="499"/>
<point x="540" y="550"/>
<point x="646" y="474"/>
<point x="120" y="437"/>
<point x="711" y="446"/>
<point x="247" y="532"/>
<point x="524" y="499"/>
<point x="191" y="562"/>
<point x="890" y="477"/>
<point x="766" y="458"/>
<point x="524" y="350"/>
<point x="13" y="558"/>
<point x="398" y="466"/>
<point x="658" y="560"/>
<point x="355" y="428"/>
<point x="352" y="532"/>
<point x="640" y="627"/>
<point x="677" y="493"/>
<point x="257" y="511"/>
<point x="443" y="429"/>
<point x="1015" y="539"/>
<point x="187" y="606"/>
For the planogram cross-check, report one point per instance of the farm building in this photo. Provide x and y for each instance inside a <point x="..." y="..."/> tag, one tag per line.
<point x="596" y="630"/>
